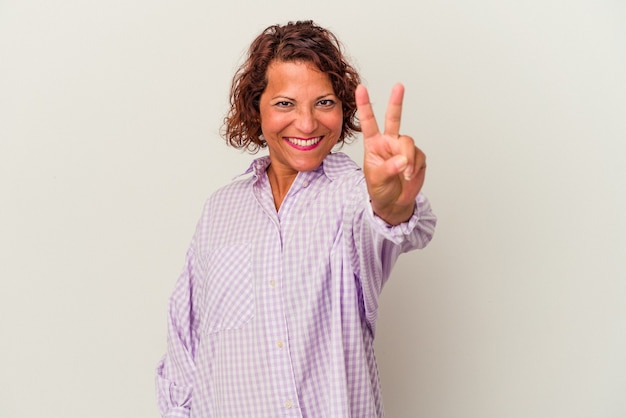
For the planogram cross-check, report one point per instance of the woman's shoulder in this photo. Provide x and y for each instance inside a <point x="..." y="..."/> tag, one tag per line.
<point x="243" y="182"/>
<point x="339" y="165"/>
<point x="232" y="192"/>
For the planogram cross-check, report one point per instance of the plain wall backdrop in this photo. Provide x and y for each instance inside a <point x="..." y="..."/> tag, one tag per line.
<point x="110" y="114"/>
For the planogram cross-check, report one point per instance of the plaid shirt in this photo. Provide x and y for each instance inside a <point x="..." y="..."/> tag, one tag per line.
<point x="274" y="313"/>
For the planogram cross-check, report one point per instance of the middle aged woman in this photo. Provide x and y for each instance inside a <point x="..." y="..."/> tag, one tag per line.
<point x="275" y="311"/>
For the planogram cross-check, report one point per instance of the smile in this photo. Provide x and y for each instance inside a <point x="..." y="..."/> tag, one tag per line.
<point x="304" y="143"/>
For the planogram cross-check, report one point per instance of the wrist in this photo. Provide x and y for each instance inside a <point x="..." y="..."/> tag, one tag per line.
<point x="394" y="214"/>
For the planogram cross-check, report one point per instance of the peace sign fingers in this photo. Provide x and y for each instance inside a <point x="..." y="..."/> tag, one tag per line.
<point x="369" y="126"/>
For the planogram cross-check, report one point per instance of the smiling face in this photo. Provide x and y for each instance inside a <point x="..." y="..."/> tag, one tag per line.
<point x="301" y="118"/>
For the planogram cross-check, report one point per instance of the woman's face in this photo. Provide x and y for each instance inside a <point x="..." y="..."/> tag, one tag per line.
<point x="301" y="117"/>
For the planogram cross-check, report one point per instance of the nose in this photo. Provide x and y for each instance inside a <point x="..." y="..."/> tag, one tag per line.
<point x="306" y="121"/>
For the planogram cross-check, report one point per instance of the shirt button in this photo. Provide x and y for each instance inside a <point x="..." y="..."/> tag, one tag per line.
<point x="272" y="283"/>
<point x="288" y="404"/>
<point x="279" y="344"/>
<point x="305" y="184"/>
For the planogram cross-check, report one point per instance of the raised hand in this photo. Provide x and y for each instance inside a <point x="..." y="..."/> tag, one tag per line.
<point x="394" y="167"/>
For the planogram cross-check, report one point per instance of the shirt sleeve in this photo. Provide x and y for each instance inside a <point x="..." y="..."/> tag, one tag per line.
<point x="175" y="372"/>
<point x="378" y="246"/>
<point x="413" y="234"/>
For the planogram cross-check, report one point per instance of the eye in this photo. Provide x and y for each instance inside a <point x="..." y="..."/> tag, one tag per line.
<point x="282" y="103"/>
<point x="326" y="102"/>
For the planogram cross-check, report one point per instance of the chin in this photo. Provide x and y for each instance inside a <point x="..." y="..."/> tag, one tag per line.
<point x="308" y="165"/>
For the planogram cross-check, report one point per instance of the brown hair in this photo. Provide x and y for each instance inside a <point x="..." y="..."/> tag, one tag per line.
<point x="301" y="41"/>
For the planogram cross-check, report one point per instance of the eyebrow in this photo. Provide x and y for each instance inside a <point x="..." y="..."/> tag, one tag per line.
<point x="292" y="99"/>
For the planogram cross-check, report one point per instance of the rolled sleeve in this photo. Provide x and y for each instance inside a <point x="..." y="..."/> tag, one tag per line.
<point x="173" y="401"/>
<point x="415" y="233"/>
<point x="175" y="372"/>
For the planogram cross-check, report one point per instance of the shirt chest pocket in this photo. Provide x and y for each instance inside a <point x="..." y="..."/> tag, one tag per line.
<point x="229" y="292"/>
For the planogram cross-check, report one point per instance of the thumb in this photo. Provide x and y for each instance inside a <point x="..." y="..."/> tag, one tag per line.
<point x="398" y="164"/>
<point x="392" y="167"/>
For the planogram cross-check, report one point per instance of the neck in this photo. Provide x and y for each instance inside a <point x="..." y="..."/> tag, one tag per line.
<point x="280" y="184"/>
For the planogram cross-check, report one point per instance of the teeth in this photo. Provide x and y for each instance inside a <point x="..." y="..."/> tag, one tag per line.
<point x="304" y="142"/>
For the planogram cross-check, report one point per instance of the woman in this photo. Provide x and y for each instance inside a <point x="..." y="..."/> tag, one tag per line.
<point x="275" y="311"/>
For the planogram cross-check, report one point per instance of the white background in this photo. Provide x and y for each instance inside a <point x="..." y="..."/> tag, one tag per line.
<point x="109" y="144"/>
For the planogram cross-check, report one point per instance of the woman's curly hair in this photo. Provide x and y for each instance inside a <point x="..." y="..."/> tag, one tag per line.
<point x="301" y="41"/>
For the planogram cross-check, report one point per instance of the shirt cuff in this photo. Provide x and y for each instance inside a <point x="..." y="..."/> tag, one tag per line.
<point x="396" y="233"/>
<point x="177" y="413"/>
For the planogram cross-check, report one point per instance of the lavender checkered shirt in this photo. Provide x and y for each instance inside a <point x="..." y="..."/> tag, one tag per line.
<point x="274" y="313"/>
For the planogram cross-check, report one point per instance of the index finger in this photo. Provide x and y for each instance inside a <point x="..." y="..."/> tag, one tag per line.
<point x="369" y="127"/>
<point x="394" y="111"/>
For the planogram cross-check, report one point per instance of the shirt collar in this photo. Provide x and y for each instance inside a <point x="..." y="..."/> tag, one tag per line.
<point x="333" y="166"/>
